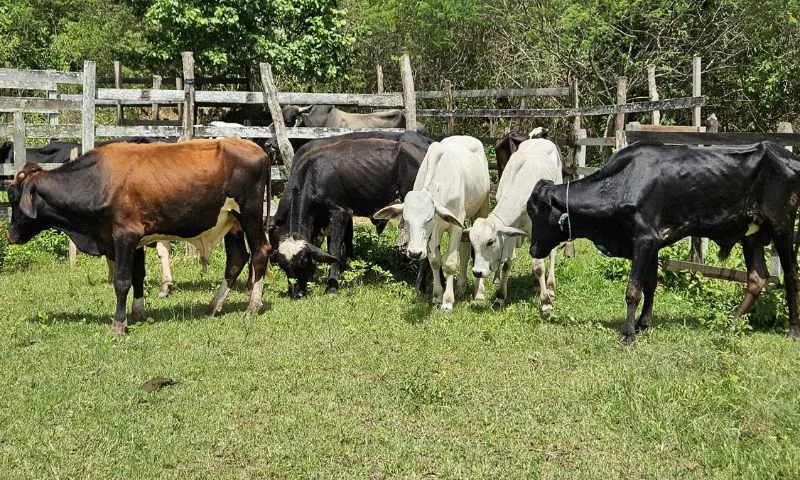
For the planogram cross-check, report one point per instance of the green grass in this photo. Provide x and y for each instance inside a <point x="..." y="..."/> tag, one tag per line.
<point x="374" y="383"/>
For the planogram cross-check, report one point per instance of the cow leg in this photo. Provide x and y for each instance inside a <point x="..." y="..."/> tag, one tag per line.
<point x="641" y="264"/>
<point x="546" y="303"/>
<point x="260" y="250"/>
<point x="502" y="290"/>
<point x="137" y="310"/>
<point x="423" y="272"/>
<point x="340" y="223"/>
<point x="435" y="260"/>
<point x="551" y="275"/>
<point x="756" y="273"/>
<point x="162" y="249"/>
<point x="649" y="290"/>
<point x="124" y="253"/>
<point x="235" y="259"/>
<point x="464" y="254"/>
<point x="783" y="244"/>
<point x="450" y="267"/>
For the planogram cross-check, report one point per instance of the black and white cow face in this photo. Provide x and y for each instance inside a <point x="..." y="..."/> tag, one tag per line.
<point x="23" y="198"/>
<point x="421" y="213"/>
<point x="546" y="219"/>
<point x="488" y="238"/>
<point x="293" y="115"/>
<point x="296" y="256"/>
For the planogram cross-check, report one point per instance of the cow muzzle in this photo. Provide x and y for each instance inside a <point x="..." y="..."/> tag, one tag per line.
<point x="13" y="239"/>
<point x="480" y="273"/>
<point x="416" y="254"/>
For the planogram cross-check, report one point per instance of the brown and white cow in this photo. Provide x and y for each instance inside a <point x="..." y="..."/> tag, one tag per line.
<point x="119" y="197"/>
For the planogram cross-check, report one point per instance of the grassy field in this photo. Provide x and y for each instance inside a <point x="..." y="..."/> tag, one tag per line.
<point x="374" y="383"/>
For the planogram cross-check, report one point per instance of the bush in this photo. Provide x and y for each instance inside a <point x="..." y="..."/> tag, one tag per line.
<point x="48" y="246"/>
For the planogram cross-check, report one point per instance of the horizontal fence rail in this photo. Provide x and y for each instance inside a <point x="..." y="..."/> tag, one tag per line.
<point x="727" y="138"/>
<point x="11" y="76"/>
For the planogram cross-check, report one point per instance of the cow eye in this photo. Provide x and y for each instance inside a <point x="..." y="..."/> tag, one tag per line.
<point x="490" y="243"/>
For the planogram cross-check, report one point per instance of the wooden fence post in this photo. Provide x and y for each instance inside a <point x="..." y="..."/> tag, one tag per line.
<point x="449" y="104"/>
<point x="89" y="96"/>
<point x="118" y="84"/>
<point x="775" y="267"/>
<point x="699" y="245"/>
<point x="156" y="86"/>
<point x="19" y="140"/>
<point x="379" y="73"/>
<point x="271" y="97"/>
<point x="7" y="117"/>
<point x="73" y="249"/>
<point x="622" y="99"/>
<point x="655" y="118"/>
<point x="179" y="87"/>
<point x="189" y="88"/>
<point x="409" y="94"/>
<point x="578" y="153"/>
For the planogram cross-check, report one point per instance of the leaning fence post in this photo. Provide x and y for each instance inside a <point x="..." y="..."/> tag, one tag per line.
<point x="179" y="87"/>
<point x="379" y="73"/>
<point x="775" y="267"/>
<point x="189" y="89"/>
<point x="73" y="249"/>
<point x="271" y="98"/>
<point x="409" y="95"/>
<point x="653" y="92"/>
<point x="19" y="140"/>
<point x="89" y="96"/>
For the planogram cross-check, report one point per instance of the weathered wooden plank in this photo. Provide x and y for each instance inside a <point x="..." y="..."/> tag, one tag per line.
<point x="504" y="93"/>
<point x="127" y="122"/>
<point x="154" y="112"/>
<point x="652" y="91"/>
<point x="40" y="76"/>
<point x="19" y="140"/>
<point x="37" y="105"/>
<point x="379" y="75"/>
<point x="596" y="141"/>
<point x="672" y="104"/>
<point x="118" y="84"/>
<point x="27" y="85"/>
<point x="189" y="95"/>
<point x="586" y="170"/>
<point x="277" y="173"/>
<point x="727" y="138"/>
<point x="697" y="73"/>
<point x="711" y="271"/>
<point x="622" y="99"/>
<point x="298" y="98"/>
<point x="142" y="96"/>
<point x="7" y="169"/>
<point x="640" y="127"/>
<point x="138" y="131"/>
<point x="43" y="131"/>
<point x="199" y="80"/>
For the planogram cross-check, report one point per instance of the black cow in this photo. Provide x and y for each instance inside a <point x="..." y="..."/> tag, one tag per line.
<point x="57" y="151"/>
<point x="510" y="143"/>
<point x="332" y="180"/>
<point x="330" y="116"/>
<point x="651" y="195"/>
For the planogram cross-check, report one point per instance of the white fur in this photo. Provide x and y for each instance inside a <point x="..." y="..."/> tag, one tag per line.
<point x="290" y="247"/>
<point x="220" y="297"/>
<point x="536" y="131"/>
<point x="536" y="159"/>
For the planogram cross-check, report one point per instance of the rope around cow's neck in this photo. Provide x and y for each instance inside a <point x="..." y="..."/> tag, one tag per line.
<point x="565" y="217"/>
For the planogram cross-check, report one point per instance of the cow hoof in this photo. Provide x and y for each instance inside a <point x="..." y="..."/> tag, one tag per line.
<point x="552" y="293"/>
<point x="628" y="340"/>
<point x="166" y="289"/>
<point x="251" y="310"/>
<point x="118" y="329"/>
<point x="546" y="310"/>
<point x="480" y="298"/>
<point x="332" y="290"/>
<point x="447" y="309"/>
<point x="498" y="303"/>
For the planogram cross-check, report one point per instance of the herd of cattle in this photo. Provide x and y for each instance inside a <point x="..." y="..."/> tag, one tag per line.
<point x="130" y="193"/>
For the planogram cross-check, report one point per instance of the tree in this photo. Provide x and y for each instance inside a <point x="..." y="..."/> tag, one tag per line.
<point x="302" y="39"/>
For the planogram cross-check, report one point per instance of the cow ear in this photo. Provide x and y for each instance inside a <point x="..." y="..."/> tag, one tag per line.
<point x="321" y="255"/>
<point x="447" y="215"/>
<point x="390" y="212"/>
<point x="541" y="192"/>
<point x="513" y="232"/>
<point x="26" y="201"/>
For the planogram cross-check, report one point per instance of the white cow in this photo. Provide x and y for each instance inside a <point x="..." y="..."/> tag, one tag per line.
<point x="452" y="185"/>
<point x="495" y="238"/>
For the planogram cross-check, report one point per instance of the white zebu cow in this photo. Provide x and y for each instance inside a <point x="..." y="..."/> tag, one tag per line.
<point x="495" y="238"/>
<point x="452" y="185"/>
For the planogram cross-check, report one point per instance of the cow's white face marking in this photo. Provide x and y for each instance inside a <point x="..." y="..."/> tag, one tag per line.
<point x="206" y="241"/>
<point x="290" y="247"/>
<point x="418" y="213"/>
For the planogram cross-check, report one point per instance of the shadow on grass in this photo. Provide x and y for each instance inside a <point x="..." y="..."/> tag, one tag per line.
<point x="196" y="311"/>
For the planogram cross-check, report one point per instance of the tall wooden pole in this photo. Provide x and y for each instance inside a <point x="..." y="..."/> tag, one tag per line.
<point x="89" y="96"/>
<point x="409" y="94"/>
<point x="622" y="99"/>
<point x="655" y="118"/>
<point x="189" y="88"/>
<point x="379" y="73"/>
<point x="118" y="84"/>
<point x="449" y="104"/>
<point x="696" y="88"/>
<point x="156" y="86"/>
<point x="271" y="97"/>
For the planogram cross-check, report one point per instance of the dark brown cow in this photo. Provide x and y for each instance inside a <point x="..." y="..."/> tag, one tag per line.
<point x="119" y="197"/>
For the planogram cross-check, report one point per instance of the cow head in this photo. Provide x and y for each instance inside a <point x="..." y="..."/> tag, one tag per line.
<point x="293" y="115"/>
<point x="420" y="212"/>
<point x="488" y="238"/>
<point x="506" y="147"/>
<point x="25" y="205"/>
<point x="296" y="256"/>
<point x="548" y="230"/>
